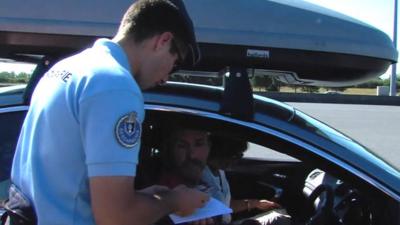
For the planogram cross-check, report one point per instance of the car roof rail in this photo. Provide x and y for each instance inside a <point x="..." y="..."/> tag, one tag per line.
<point x="42" y="67"/>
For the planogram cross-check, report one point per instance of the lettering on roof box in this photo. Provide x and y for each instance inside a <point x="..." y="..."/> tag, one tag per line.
<point x="254" y="53"/>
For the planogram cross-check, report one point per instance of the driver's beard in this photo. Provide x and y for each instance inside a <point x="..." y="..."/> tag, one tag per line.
<point x="191" y="172"/>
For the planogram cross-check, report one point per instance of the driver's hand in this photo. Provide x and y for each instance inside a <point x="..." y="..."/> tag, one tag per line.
<point x="207" y="221"/>
<point x="188" y="200"/>
<point x="266" y="205"/>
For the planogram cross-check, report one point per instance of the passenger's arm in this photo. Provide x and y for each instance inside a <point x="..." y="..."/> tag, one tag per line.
<point x="114" y="201"/>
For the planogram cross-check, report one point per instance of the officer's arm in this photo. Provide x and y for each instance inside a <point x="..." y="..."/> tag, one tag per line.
<point x="114" y="201"/>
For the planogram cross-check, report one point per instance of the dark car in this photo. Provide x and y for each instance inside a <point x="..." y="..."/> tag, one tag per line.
<point x="318" y="174"/>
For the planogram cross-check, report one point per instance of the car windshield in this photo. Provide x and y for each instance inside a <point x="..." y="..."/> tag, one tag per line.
<point x="325" y="131"/>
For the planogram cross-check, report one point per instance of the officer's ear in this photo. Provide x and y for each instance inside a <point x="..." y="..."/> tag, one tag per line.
<point x="163" y="41"/>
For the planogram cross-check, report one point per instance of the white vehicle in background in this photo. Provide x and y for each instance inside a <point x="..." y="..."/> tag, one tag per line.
<point x="12" y="89"/>
<point x="12" y="95"/>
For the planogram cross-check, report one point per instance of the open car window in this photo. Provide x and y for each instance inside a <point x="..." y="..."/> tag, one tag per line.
<point x="273" y="167"/>
<point x="14" y="77"/>
<point x="264" y="153"/>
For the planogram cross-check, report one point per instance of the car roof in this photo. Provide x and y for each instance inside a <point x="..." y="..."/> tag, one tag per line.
<point x="305" y="43"/>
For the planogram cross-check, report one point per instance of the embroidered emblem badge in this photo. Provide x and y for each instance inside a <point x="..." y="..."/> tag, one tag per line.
<point x="128" y="130"/>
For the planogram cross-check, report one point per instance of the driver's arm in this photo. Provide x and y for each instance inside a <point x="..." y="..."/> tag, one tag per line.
<point x="114" y="201"/>
<point x="249" y="204"/>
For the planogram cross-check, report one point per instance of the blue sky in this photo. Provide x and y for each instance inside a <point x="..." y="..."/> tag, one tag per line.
<point x="378" y="13"/>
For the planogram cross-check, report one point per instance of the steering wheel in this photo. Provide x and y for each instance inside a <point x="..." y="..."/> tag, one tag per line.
<point x="324" y="213"/>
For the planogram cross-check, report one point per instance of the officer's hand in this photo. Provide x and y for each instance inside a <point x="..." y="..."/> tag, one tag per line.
<point x="188" y="200"/>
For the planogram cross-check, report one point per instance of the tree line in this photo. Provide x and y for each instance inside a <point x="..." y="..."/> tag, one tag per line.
<point x="263" y="83"/>
<point x="270" y="83"/>
<point x="12" y="77"/>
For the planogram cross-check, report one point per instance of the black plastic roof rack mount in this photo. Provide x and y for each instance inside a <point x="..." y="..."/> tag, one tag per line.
<point x="237" y="100"/>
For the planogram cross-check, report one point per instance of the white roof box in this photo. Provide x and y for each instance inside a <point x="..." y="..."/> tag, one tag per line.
<point x="306" y="43"/>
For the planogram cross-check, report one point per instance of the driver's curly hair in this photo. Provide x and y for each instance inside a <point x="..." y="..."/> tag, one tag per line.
<point x="223" y="147"/>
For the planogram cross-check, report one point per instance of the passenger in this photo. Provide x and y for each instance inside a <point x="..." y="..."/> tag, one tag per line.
<point x="225" y="152"/>
<point x="78" y="149"/>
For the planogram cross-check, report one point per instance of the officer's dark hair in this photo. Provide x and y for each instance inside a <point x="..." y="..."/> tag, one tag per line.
<point x="147" y="18"/>
<point x="223" y="147"/>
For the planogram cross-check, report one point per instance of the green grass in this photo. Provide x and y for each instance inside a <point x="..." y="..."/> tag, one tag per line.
<point x="360" y="91"/>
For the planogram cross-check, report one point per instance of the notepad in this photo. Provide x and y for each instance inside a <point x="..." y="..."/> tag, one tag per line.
<point x="213" y="208"/>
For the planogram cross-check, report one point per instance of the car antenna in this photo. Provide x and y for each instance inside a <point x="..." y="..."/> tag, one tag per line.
<point x="237" y="99"/>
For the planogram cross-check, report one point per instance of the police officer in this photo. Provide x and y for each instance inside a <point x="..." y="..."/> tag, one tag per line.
<point x="78" y="149"/>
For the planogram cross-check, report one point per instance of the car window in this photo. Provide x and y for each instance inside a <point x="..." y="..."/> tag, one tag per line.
<point x="265" y="153"/>
<point x="14" y="77"/>
<point x="325" y="131"/>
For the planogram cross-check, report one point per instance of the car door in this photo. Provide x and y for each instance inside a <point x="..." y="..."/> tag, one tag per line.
<point x="13" y="108"/>
<point x="11" y="119"/>
<point x="277" y="167"/>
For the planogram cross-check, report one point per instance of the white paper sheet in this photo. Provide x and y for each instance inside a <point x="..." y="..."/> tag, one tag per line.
<point x="213" y="208"/>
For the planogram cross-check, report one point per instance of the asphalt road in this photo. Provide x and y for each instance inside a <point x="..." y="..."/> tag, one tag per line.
<point x="376" y="127"/>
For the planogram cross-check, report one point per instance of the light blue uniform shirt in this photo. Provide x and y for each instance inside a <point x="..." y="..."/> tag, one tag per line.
<point x="84" y="121"/>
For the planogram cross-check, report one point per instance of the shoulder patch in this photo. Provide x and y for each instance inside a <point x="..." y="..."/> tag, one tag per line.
<point x="128" y="130"/>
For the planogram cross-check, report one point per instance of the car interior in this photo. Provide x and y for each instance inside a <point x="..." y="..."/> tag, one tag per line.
<point x="309" y="194"/>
